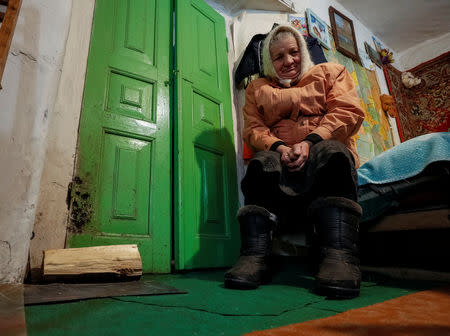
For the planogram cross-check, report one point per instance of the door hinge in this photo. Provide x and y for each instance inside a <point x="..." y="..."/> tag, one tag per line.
<point x="172" y="78"/>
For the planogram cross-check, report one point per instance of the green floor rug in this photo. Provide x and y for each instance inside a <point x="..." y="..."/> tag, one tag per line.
<point x="208" y="308"/>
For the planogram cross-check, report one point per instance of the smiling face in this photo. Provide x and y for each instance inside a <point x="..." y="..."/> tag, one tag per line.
<point x="286" y="58"/>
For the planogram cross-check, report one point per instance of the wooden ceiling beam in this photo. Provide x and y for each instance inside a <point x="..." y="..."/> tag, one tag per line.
<point x="7" y="31"/>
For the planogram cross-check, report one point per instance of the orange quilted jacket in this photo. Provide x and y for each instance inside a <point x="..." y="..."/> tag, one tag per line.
<point x="324" y="102"/>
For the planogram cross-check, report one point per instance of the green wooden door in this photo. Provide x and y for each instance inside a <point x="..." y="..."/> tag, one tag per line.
<point x="122" y="190"/>
<point x="206" y="232"/>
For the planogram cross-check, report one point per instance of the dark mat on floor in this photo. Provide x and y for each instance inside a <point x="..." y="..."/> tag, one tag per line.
<point x="56" y="292"/>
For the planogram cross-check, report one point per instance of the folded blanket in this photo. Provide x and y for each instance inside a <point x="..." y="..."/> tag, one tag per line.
<point x="406" y="159"/>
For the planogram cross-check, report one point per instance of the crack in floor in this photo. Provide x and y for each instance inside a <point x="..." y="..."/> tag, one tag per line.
<point x="217" y="313"/>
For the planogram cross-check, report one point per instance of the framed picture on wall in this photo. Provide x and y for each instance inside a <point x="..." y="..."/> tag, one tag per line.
<point x="343" y="34"/>
<point x="318" y="29"/>
<point x="373" y="54"/>
<point x="366" y="62"/>
<point x="377" y="44"/>
<point x="299" y="22"/>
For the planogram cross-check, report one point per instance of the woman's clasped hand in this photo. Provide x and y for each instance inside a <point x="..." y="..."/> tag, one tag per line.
<point x="295" y="158"/>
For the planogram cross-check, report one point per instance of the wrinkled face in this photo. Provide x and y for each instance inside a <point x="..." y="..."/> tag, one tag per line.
<point x="286" y="58"/>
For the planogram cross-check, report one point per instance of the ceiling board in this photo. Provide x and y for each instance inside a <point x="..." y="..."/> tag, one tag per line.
<point x="402" y="24"/>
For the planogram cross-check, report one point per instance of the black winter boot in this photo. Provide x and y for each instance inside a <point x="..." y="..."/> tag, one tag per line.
<point x="252" y="267"/>
<point x="336" y="223"/>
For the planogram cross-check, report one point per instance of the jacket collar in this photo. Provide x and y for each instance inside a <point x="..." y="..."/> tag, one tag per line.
<point x="275" y="84"/>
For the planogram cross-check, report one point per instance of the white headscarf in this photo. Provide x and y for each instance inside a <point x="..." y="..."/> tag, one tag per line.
<point x="306" y="64"/>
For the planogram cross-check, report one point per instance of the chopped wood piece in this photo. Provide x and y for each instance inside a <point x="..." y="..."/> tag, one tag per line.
<point x="97" y="262"/>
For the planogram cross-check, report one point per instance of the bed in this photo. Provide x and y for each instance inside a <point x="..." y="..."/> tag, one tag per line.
<point x="404" y="193"/>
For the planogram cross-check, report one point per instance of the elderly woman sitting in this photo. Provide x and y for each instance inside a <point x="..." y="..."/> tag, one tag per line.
<point x="300" y="120"/>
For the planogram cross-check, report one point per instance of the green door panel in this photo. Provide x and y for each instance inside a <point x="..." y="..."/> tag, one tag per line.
<point x="122" y="192"/>
<point x="206" y="232"/>
<point x="124" y="198"/>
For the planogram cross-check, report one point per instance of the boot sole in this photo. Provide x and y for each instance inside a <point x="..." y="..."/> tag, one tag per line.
<point x="243" y="284"/>
<point x="338" y="293"/>
<point x="240" y="284"/>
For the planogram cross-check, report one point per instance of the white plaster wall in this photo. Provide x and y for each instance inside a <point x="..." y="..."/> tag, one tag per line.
<point x="423" y="52"/>
<point x="51" y="212"/>
<point x="29" y="83"/>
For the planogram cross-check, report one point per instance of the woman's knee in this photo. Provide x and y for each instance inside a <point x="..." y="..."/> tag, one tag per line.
<point x="327" y="150"/>
<point x="332" y="146"/>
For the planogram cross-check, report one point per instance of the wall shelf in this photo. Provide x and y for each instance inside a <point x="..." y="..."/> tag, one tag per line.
<point x="233" y="7"/>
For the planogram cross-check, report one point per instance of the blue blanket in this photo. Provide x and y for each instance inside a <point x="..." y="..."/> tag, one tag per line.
<point x="406" y="159"/>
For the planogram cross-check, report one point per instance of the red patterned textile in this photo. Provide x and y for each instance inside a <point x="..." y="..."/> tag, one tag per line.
<point x="424" y="108"/>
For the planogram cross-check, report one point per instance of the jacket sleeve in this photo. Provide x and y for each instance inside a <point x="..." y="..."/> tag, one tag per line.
<point x="256" y="134"/>
<point x="344" y="114"/>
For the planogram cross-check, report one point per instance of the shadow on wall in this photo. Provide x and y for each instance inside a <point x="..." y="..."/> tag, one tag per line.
<point x="215" y="231"/>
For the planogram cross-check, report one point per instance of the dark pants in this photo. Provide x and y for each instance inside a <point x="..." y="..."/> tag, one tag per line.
<point x="329" y="171"/>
